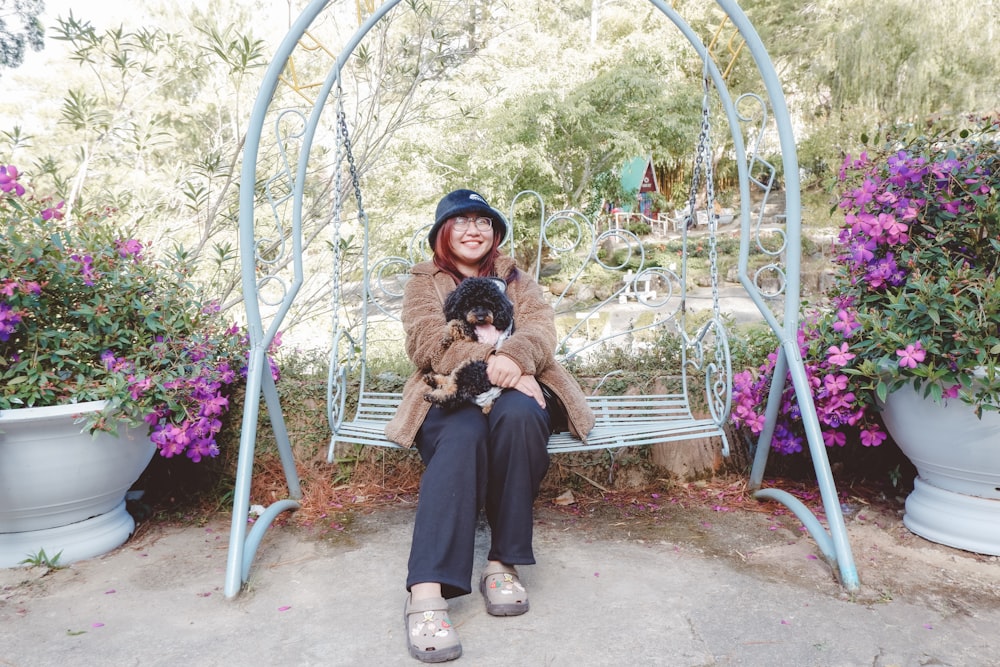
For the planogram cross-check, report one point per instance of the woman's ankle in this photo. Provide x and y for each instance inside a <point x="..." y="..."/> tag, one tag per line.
<point x="425" y="590"/>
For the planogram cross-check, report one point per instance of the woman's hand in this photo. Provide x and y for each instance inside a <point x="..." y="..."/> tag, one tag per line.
<point x="503" y="371"/>
<point x="529" y="385"/>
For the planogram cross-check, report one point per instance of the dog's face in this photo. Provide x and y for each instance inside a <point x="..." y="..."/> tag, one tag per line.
<point x="480" y="301"/>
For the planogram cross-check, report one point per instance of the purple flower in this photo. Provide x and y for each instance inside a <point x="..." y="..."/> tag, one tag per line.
<point x="785" y="441"/>
<point x="8" y="180"/>
<point x="54" y="212"/>
<point x="226" y="374"/>
<point x="138" y="388"/>
<point x="214" y="405"/>
<point x="129" y="248"/>
<point x="86" y="263"/>
<point x="153" y="418"/>
<point x="861" y="251"/>
<point x="170" y="439"/>
<point x="201" y="448"/>
<point x="9" y="319"/>
<point x="885" y="272"/>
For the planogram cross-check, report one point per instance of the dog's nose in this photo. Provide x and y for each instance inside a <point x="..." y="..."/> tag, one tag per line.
<point x="481" y="315"/>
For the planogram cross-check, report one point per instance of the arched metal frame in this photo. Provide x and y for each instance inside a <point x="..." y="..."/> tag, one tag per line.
<point x="244" y="541"/>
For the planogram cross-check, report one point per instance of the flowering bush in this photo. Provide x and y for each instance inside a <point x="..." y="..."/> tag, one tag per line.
<point x="87" y="314"/>
<point x="916" y="295"/>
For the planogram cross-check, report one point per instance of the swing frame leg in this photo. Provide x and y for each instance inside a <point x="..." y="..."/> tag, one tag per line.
<point x="833" y="543"/>
<point x="243" y="543"/>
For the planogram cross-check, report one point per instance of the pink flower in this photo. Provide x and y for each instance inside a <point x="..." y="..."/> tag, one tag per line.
<point x="129" y="248"/>
<point x="54" y="212"/>
<point x="755" y="423"/>
<point x="834" y="439"/>
<point x="8" y="180"/>
<point x="835" y="383"/>
<point x="845" y="324"/>
<point x="897" y="231"/>
<point x="839" y="356"/>
<point x="137" y="388"/>
<point x="911" y="355"/>
<point x="872" y="436"/>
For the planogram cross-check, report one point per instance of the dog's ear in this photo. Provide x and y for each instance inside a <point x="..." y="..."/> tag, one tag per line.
<point x="451" y="302"/>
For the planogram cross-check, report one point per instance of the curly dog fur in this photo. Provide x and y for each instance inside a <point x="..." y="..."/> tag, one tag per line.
<point x="474" y="302"/>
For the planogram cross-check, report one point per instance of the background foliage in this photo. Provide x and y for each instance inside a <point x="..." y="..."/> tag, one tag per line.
<point x="147" y="112"/>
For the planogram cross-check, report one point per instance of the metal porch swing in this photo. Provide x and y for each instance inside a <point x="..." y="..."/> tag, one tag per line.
<point x="368" y="307"/>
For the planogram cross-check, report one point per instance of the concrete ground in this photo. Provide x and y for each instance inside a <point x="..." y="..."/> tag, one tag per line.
<point x="678" y="586"/>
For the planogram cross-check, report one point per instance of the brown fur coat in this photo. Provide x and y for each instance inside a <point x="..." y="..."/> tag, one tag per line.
<point x="531" y="346"/>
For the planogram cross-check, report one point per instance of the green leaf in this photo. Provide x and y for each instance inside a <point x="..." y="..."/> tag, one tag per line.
<point x="882" y="390"/>
<point x="936" y="392"/>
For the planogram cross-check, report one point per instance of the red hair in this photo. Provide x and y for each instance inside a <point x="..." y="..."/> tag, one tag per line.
<point x="444" y="258"/>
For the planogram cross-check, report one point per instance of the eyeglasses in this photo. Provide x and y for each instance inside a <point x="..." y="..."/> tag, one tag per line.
<point x="482" y="224"/>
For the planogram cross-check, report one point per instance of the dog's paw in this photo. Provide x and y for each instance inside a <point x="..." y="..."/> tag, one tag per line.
<point x="444" y="392"/>
<point x="431" y="380"/>
<point x="459" y="330"/>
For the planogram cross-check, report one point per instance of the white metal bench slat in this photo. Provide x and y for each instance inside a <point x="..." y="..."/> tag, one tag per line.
<point x="621" y="421"/>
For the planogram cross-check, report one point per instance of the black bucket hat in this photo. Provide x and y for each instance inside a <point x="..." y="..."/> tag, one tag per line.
<point x="466" y="201"/>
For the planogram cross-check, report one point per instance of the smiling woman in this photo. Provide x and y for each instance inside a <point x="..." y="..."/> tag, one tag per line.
<point x="476" y="457"/>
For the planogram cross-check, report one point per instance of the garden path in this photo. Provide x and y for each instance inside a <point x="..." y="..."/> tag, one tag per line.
<point x="652" y="580"/>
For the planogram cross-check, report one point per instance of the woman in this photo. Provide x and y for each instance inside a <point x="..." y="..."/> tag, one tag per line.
<point x="475" y="460"/>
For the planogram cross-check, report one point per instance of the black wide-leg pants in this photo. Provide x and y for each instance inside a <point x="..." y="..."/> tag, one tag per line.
<point x="472" y="460"/>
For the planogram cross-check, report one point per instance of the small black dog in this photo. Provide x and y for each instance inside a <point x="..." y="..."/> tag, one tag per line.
<point x="474" y="302"/>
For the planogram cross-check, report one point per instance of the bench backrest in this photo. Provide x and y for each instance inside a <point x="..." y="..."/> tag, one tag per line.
<point x="605" y="284"/>
<point x="615" y="294"/>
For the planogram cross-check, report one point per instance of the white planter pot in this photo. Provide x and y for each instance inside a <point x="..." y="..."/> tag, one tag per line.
<point x="62" y="489"/>
<point x="956" y="496"/>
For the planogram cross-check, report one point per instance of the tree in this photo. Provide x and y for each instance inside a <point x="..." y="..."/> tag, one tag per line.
<point x="20" y="29"/>
<point x="854" y="65"/>
<point x="150" y="125"/>
<point x="558" y="144"/>
<point x="500" y="95"/>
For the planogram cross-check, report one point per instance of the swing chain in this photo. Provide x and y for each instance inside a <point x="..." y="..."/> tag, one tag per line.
<point x="346" y="139"/>
<point x="703" y="167"/>
<point x="713" y="219"/>
<point x="343" y="148"/>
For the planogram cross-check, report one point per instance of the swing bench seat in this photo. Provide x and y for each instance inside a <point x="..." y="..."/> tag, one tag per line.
<point x="621" y="421"/>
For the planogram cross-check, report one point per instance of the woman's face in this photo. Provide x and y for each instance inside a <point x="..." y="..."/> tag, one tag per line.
<point x="470" y="240"/>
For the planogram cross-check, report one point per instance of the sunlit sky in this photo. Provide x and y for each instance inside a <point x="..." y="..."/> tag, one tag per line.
<point x="100" y="13"/>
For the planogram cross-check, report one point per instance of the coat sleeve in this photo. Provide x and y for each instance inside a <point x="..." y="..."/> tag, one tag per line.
<point x="425" y="329"/>
<point x="533" y="342"/>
